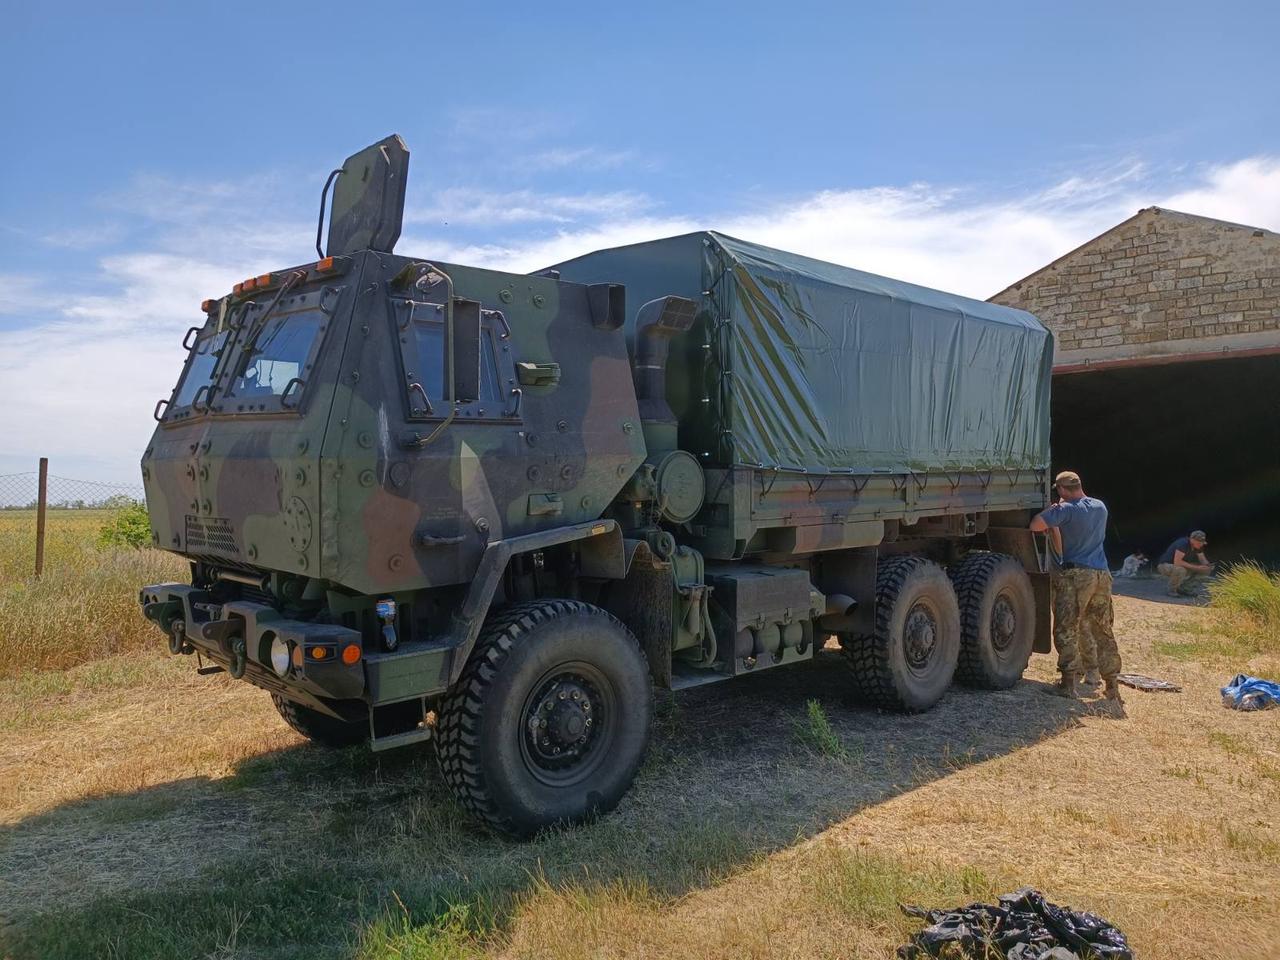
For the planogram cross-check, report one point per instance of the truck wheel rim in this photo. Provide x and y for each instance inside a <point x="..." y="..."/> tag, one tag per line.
<point x="567" y="724"/>
<point x="1004" y="623"/>
<point x="920" y="635"/>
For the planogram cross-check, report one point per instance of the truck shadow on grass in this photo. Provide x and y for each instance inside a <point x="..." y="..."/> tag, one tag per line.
<point x="301" y="851"/>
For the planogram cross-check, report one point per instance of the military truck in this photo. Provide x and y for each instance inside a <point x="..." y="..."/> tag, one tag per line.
<point x="427" y="500"/>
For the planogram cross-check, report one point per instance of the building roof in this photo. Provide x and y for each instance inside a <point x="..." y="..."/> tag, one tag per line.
<point x="1145" y="211"/>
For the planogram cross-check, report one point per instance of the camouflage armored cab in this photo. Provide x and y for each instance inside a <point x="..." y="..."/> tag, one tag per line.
<point x="425" y="500"/>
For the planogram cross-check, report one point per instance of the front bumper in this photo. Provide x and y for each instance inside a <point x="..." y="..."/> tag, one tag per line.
<point x="237" y="635"/>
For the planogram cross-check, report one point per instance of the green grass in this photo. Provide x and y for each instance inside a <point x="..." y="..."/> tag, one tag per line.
<point x="1244" y="625"/>
<point x="456" y="934"/>
<point x="1252" y="592"/>
<point x="1234" y="744"/>
<point x="1249" y="844"/>
<point x="868" y="888"/>
<point x="816" y="733"/>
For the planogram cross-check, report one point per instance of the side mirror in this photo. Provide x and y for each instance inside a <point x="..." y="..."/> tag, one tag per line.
<point x="462" y="344"/>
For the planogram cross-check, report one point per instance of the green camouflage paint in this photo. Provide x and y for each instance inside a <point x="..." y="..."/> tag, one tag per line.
<point x="310" y="464"/>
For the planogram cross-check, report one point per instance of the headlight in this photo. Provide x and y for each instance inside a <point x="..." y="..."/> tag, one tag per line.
<point x="280" y="656"/>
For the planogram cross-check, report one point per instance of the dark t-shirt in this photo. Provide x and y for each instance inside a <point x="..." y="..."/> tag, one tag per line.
<point x="1188" y="554"/>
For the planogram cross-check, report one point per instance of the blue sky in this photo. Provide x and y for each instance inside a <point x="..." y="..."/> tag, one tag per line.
<point x="155" y="154"/>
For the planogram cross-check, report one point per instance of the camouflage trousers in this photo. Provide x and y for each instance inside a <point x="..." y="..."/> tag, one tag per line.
<point x="1082" y="619"/>
<point x="1181" y="580"/>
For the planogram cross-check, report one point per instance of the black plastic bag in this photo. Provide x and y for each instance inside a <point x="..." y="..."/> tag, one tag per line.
<point x="1024" y="926"/>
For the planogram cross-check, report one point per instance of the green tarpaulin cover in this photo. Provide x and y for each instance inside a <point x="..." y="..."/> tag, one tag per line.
<point x="805" y="365"/>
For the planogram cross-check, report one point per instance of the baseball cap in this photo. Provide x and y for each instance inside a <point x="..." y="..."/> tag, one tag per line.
<point x="1067" y="478"/>
<point x="1198" y="535"/>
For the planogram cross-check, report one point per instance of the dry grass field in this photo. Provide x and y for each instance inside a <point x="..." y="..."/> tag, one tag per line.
<point x="85" y="606"/>
<point x="148" y="812"/>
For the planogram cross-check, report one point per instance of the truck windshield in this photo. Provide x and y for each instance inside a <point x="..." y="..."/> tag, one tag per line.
<point x="199" y="373"/>
<point x="282" y="353"/>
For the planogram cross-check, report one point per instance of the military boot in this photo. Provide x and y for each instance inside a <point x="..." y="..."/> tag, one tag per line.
<point x="1112" y="691"/>
<point x="1067" y="685"/>
<point x="1092" y="678"/>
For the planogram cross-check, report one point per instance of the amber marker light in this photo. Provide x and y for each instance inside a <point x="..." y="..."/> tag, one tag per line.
<point x="238" y="289"/>
<point x="263" y="281"/>
<point x="325" y="265"/>
<point x="206" y="305"/>
<point x="351" y="654"/>
<point x="318" y="653"/>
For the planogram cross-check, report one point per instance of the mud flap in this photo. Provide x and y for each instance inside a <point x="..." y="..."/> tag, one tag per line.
<point x="1042" y="586"/>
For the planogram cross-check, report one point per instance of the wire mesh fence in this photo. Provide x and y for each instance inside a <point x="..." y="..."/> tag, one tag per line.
<point x="78" y="515"/>
<point x="20" y="491"/>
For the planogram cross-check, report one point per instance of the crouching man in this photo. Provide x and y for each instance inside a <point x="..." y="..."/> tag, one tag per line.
<point x="1082" y="594"/>
<point x="1185" y="564"/>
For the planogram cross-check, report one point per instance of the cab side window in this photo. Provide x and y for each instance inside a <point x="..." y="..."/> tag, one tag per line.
<point x="423" y="353"/>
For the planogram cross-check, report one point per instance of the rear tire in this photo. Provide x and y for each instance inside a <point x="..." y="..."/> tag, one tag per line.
<point x="908" y="663"/>
<point x="550" y="719"/>
<point x="997" y="620"/>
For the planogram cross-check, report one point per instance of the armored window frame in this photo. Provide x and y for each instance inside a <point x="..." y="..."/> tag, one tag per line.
<point x="290" y="402"/>
<point x="228" y="327"/>
<point x="411" y="316"/>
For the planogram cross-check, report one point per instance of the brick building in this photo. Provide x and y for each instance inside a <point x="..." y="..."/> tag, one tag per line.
<point x="1167" y="377"/>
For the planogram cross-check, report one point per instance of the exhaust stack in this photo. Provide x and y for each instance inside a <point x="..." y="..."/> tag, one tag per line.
<point x="656" y="324"/>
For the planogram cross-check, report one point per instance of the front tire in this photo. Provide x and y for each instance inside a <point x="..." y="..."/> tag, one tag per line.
<point x="997" y="619"/>
<point x="335" y="734"/>
<point x="908" y="662"/>
<point x="550" y="719"/>
<point x="320" y="727"/>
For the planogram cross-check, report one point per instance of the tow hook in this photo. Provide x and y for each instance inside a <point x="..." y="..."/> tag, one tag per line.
<point x="178" y="638"/>
<point x="239" y="658"/>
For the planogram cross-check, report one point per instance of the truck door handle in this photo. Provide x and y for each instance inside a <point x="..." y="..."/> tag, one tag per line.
<point x="545" y="505"/>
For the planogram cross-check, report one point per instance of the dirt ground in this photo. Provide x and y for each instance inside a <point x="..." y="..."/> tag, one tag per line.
<point x="136" y="777"/>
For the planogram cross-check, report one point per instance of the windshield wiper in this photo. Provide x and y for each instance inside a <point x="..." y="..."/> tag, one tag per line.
<point x="251" y="341"/>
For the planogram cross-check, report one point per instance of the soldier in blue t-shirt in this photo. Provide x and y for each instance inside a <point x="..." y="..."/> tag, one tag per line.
<point x="1082" y="592"/>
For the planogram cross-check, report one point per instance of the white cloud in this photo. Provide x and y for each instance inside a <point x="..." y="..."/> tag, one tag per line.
<point x="88" y="361"/>
<point x="472" y="207"/>
<point x="942" y="237"/>
<point x="21" y="294"/>
<point x="87" y="376"/>
<point x="1244" y="192"/>
<point x="85" y="236"/>
<point x="578" y="158"/>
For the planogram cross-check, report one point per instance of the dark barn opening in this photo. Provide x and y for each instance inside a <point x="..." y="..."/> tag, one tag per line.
<point x="1178" y="446"/>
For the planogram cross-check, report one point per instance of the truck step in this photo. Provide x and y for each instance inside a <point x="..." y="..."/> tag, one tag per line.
<point x="682" y="678"/>
<point x="416" y="735"/>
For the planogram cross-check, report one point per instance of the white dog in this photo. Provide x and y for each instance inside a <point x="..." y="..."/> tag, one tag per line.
<point x="1132" y="564"/>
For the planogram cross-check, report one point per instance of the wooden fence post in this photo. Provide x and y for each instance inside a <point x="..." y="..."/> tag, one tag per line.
<point x="42" y="502"/>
